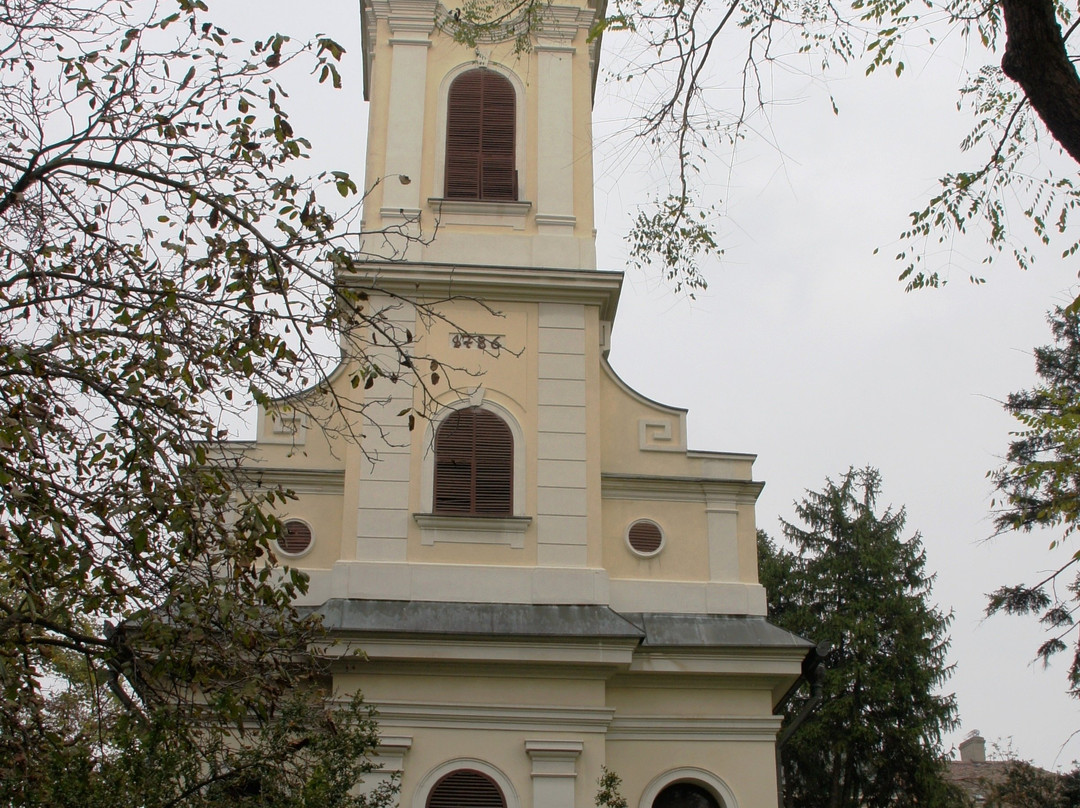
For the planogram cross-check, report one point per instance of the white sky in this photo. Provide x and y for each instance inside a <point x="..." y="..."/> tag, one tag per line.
<point x="805" y="349"/>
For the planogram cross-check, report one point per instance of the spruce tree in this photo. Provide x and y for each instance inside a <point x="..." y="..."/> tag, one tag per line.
<point x="1039" y="487"/>
<point x="855" y="581"/>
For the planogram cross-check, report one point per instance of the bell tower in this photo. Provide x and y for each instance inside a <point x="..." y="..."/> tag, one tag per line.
<point x="480" y="154"/>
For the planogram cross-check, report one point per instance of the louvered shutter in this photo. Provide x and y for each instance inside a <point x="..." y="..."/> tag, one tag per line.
<point x="465" y="789"/>
<point x="645" y="536"/>
<point x="480" y="137"/>
<point x="474" y="464"/>
<point x="295" y="538"/>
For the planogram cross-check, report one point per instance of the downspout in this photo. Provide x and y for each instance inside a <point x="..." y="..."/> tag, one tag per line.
<point x="813" y="671"/>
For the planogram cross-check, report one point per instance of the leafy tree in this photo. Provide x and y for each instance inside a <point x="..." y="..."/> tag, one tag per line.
<point x="1039" y="486"/>
<point x="853" y="580"/>
<point x="1028" y="786"/>
<point x="165" y="262"/>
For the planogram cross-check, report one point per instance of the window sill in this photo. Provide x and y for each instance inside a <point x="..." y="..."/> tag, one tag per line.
<point x="507" y="530"/>
<point x="478" y="212"/>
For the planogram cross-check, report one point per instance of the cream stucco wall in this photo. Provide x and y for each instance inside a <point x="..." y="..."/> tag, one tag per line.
<point x="409" y="59"/>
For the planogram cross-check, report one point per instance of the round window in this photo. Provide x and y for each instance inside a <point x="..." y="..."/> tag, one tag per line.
<point x="645" y="537"/>
<point x="295" y="537"/>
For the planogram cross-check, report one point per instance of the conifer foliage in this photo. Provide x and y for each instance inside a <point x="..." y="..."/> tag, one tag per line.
<point x="1040" y="486"/>
<point x="854" y="580"/>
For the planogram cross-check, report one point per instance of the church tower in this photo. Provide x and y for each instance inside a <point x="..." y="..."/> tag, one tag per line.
<point x="544" y="580"/>
<point x="492" y="139"/>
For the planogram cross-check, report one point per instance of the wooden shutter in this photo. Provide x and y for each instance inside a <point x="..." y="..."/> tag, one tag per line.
<point x="295" y="537"/>
<point x="465" y="789"/>
<point x="645" y="536"/>
<point x="474" y="464"/>
<point x="480" y="137"/>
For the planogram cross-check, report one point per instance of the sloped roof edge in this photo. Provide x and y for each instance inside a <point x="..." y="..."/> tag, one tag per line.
<point x="555" y="621"/>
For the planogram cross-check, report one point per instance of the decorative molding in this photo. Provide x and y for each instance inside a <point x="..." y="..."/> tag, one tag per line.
<point x="410" y="279"/>
<point x="480" y="213"/>
<point x="694" y="728"/>
<point x="508" y="530"/>
<point x="520" y="718"/>
<point x="558" y="659"/>
<point x="480" y="207"/>
<point x="403" y="214"/>
<point x="302" y="481"/>
<point x="730" y="493"/>
<point x="429" y="780"/>
<point x="555" y="46"/>
<point x="417" y="16"/>
<point x="721" y="790"/>
<point x="419" y="41"/>
<point x="656" y="436"/>
<point x="390" y="752"/>
<point x="556" y="221"/>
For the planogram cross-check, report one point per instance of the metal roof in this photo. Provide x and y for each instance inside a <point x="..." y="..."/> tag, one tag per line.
<point x="584" y="622"/>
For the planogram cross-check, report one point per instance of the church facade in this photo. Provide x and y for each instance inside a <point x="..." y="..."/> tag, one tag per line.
<point x="544" y="580"/>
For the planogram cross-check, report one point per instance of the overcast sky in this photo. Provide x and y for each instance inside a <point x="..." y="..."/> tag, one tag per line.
<point x="806" y="351"/>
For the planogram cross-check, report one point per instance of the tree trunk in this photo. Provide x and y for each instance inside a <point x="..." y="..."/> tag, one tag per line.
<point x="1036" y="59"/>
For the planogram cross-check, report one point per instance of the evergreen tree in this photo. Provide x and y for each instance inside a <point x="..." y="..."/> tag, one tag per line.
<point x="855" y="581"/>
<point x="1040" y="485"/>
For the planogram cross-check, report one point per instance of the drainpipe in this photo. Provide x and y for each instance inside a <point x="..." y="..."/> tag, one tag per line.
<point x="813" y="671"/>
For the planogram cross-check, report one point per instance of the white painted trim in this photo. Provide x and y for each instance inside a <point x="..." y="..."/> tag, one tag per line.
<point x="481" y="213"/>
<point x="634" y="550"/>
<point x="554" y="750"/>
<point x="306" y="550"/>
<point x="689" y="774"/>
<point x="555" y="220"/>
<point x="401" y="214"/>
<point x="512" y="717"/>
<point x="557" y="657"/>
<point x="427" y="463"/>
<point x="694" y="728"/>
<point x="519" y="124"/>
<point x="431" y="779"/>
<point x="508" y="530"/>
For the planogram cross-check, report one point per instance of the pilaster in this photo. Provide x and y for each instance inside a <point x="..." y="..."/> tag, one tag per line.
<point x="554" y="770"/>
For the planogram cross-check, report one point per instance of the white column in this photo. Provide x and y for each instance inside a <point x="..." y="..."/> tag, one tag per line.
<point x="383" y="498"/>
<point x="555" y="143"/>
<point x="389" y="761"/>
<point x="561" y="496"/>
<point x="554" y="771"/>
<point x="411" y="23"/>
<point x="723" y="526"/>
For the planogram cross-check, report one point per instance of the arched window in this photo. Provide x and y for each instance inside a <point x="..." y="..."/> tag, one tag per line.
<point x="465" y="788"/>
<point x="685" y="795"/>
<point x="474" y="464"/>
<point x="480" y="137"/>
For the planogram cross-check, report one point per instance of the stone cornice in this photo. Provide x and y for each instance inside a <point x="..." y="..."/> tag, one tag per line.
<point x="694" y="728"/>
<point x="610" y="653"/>
<point x="506" y="717"/>
<point x="678" y="489"/>
<point x="302" y="481"/>
<point x="490" y="283"/>
<point x="407" y="16"/>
